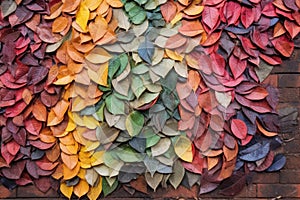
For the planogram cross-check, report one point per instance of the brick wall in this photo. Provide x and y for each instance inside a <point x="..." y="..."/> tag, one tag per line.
<point x="282" y="185"/>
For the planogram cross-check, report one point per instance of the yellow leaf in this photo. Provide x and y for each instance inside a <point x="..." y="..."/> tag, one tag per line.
<point x="71" y="126"/>
<point x="92" y="145"/>
<point x="177" y="18"/>
<point x="115" y="3"/>
<point x="93" y="4"/>
<point x="52" y="119"/>
<point x="174" y="55"/>
<point x="82" y="16"/>
<point x="95" y="191"/>
<point x="27" y="96"/>
<point x="183" y="149"/>
<point x="100" y="76"/>
<point x="81" y="173"/>
<point x="78" y="104"/>
<point x="97" y="158"/>
<point x="67" y="140"/>
<point x="98" y="55"/>
<point x="64" y="80"/>
<point x="81" y="188"/>
<point x="90" y="122"/>
<point x="66" y="190"/>
<point x="211" y="162"/>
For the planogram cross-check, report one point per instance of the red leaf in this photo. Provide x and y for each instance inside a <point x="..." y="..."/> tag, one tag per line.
<point x="247" y="16"/>
<point x="283" y="46"/>
<point x="257" y="93"/>
<point x="218" y="64"/>
<point x="43" y="184"/>
<point x="15" y="171"/>
<point x="13" y="147"/>
<point x="211" y="17"/>
<point x="239" y="128"/>
<point x="168" y="10"/>
<point x="237" y="66"/>
<point x="16" y="109"/>
<point x="20" y="137"/>
<point x="41" y="145"/>
<point x="33" y="126"/>
<point x="232" y="12"/>
<point x="6" y="155"/>
<point x="292" y="28"/>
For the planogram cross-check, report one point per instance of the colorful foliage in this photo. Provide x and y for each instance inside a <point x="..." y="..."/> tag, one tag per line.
<point x="101" y="93"/>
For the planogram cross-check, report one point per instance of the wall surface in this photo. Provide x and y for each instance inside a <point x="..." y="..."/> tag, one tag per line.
<point x="281" y="185"/>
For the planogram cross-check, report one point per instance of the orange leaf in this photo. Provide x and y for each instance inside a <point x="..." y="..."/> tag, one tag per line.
<point x="191" y="28"/>
<point x="61" y="108"/>
<point x="194" y="79"/>
<point x="70" y="173"/>
<point x="264" y="131"/>
<point x="98" y="28"/>
<point x="115" y="3"/>
<point x="39" y="111"/>
<point x="69" y="160"/>
<point x="230" y="154"/>
<point x="60" y="24"/>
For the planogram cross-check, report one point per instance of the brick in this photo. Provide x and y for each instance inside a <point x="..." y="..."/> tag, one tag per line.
<point x="248" y="191"/>
<point x="278" y="190"/>
<point x="266" y="178"/>
<point x="6" y="193"/>
<point x="289" y="176"/>
<point x="289" y="80"/>
<point x="289" y="95"/>
<point x="291" y="65"/>
<point x="180" y="192"/>
<point x="32" y="191"/>
<point x="292" y="161"/>
<point x="291" y="146"/>
<point x="272" y="79"/>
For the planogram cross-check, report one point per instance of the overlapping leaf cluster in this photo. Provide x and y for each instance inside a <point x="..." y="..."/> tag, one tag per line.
<point x="154" y="92"/>
<point x="29" y="151"/>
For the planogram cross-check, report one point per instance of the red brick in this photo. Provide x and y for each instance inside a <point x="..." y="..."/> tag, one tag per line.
<point x="292" y="146"/>
<point x="290" y="65"/>
<point x="248" y="191"/>
<point x="289" y="80"/>
<point x="289" y="176"/>
<point x="6" y="193"/>
<point x="278" y="190"/>
<point x="180" y="192"/>
<point x="266" y="178"/>
<point x="289" y="95"/>
<point x="32" y="191"/>
<point x="292" y="161"/>
<point x="272" y="79"/>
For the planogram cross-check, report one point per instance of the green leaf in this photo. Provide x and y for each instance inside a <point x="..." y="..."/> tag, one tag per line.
<point x="134" y="123"/>
<point x="107" y="189"/>
<point x="178" y="174"/>
<point x="114" y="65"/>
<point x="161" y="147"/>
<point x="153" y="181"/>
<point x="139" y="18"/>
<point x="140" y="69"/>
<point x="146" y="51"/>
<point x="127" y="154"/>
<point x="114" y="105"/>
<point x="145" y="98"/>
<point x="137" y="86"/>
<point x="163" y="68"/>
<point x="151" y="137"/>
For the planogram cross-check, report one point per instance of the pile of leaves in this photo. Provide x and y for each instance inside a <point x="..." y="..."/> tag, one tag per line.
<point x="101" y="93"/>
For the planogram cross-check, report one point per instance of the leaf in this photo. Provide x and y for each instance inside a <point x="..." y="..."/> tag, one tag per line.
<point x="168" y="10"/>
<point x="91" y="176"/>
<point x="69" y="160"/>
<point x="95" y="191"/>
<point x="264" y="131"/>
<point x="224" y="98"/>
<point x="81" y="188"/>
<point x="15" y="171"/>
<point x="115" y="3"/>
<point x="59" y="24"/>
<point x="233" y="185"/>
<point x="98" y="56"/>
<point x="134" y="123"/>
<point x="210" y="16"/>
<point x="66" y="190"/>
<point x="163" y="68"/>
<point x="153" y="181"/>
<point x="123" y="20"/>
<point x="107" y="189"/>
<point x="146" y="51"/>
<point x="39" y="111"/>
<point x="255" y="152"/>
<point x="82" y="16"/>
<point x="183" y="149"/>
<point x="278" y="163"/>
<point x="114" y="105"/>
<point x="263" y="70"/>
<point x="178" y="174"/>
<point x="161" y="147"/>
<point x="283" y="46"/>
<point x="239" y="128"/>
<point x="191" y="29"/>
<point x="8" y="7"/>
<point x="257" y="93"/>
